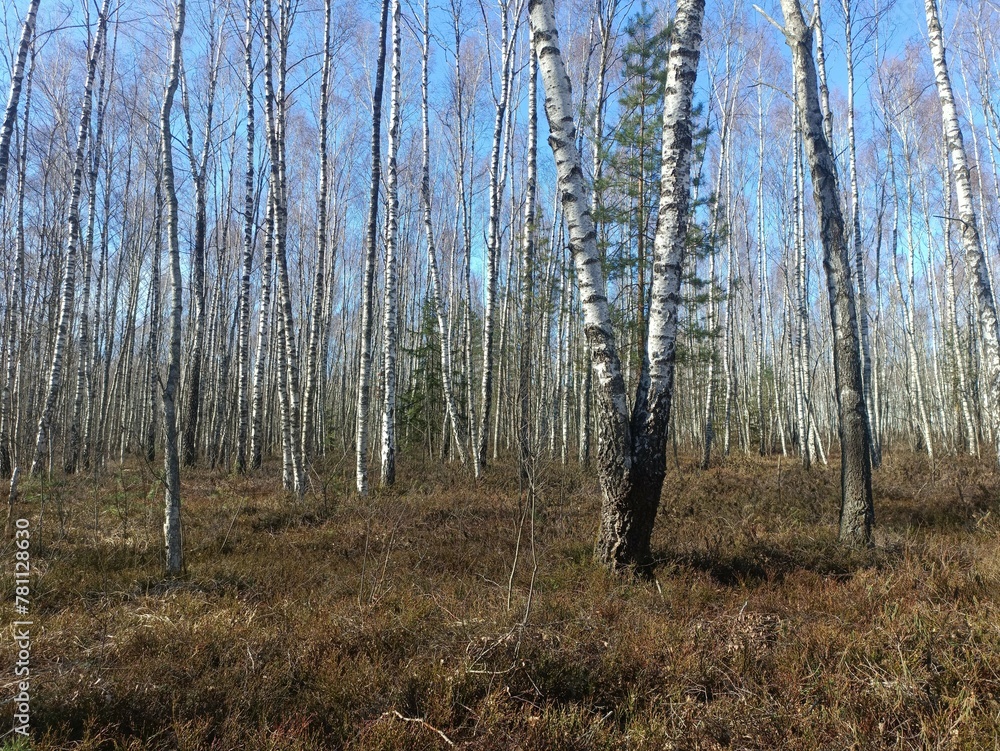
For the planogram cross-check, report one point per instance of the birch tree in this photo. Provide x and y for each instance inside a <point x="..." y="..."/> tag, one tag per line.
<point x="368" y="281"/>
<point x="171" y="458"/>
<point x="857" y="514"/>
<point x="632" y="449"/>
<point x="507" y="50"/>
<point x="859" y="256"/>
<point x="153" y="342"/>
<point x="318" y="292"/>
<point x="83" y="373"/>
<point x="527" y="277"/>
<point x="389" y="311"/>
<point x="243" y="365"/>
<point x="198" y="161"/>
<point x="14" y="95"/>
<point x="458" y="432"/>
<point x="967" y="219"/>
<point x="288" y="358"/>
<point x="263" y="345"/>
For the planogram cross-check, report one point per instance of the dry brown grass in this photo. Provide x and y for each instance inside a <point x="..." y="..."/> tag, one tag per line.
<point x="324" y="624"/>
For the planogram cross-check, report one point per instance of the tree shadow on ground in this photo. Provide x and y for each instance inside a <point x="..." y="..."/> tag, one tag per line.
<point x="764" y="562"/>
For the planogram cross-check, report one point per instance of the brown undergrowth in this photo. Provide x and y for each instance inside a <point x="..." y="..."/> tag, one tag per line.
<point x="383" y="623"/>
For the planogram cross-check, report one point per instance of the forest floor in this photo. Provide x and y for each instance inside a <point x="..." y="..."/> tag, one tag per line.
<point x="395" y="622"/>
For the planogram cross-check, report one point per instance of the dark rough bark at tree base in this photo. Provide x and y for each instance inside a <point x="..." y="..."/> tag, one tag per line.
<point x="628" y="516"/>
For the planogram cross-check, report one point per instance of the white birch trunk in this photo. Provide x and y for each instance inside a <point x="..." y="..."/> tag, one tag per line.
<point x="971" y="242"/>
<point x="198" y="164"/>
<point x="859" y="256"/>
<point x="951" y="318"/>
<point x="243" y="376"/>
<point x="368" y="283"/>
<point x="507" y="47"/>
<point x="171" y="458"/>
<point x="288" y="354"/>
<point x="84" y="360"/>
<point x="614" y="449"/>
<point x="527" y="287"/>
<point x="263" y="336"/>
<point x="451" y="407"/>
<point x="313" y="362"/>
<point x="651" y="414"/>
<point x="389" y="311"/>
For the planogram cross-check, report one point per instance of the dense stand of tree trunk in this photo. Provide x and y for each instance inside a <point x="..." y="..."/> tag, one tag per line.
<point x="457" y="426"/>
<point x="15" y="305"/>
<point x="73" y="239"/>
<point x="657" y="284"/>
<point x="199" y="172"/>
<point x="288" y="357"/>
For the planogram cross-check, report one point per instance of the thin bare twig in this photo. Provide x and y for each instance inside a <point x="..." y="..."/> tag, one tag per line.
<point x="420" y="721"/>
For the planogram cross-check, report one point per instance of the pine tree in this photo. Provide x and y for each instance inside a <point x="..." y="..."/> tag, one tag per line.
<point x="634" y="169"/>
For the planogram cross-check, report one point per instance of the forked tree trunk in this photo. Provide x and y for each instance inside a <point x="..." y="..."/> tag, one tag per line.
<point x="857" y="514"/>
<point x="631" y="450"/>
<point x="651" y="414"/>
